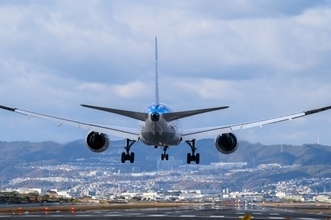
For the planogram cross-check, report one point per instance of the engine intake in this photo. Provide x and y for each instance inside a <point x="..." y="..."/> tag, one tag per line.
<point x="97" y="142"/>
<point x="226" y="143"/>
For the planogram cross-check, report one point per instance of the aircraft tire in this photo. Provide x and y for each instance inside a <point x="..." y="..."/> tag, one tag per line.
<point x="123" y="157"/>
<point x="131" y="157"/>
<point x="197" y="158"/>
<point x="167" y="156"/>
<point x="189" y="158"/>
<point x="162" y="156"/>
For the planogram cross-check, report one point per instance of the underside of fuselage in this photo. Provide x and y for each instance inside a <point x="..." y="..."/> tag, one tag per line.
<point x="156" y="131"/>
<point x="159" y="133"/>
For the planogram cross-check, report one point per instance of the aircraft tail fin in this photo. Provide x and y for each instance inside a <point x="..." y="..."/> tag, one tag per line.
<point x="157" y="101"/>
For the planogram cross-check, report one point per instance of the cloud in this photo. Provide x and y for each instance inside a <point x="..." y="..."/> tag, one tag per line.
<point x="263" y="58"/>
<point x="131" y="90"/>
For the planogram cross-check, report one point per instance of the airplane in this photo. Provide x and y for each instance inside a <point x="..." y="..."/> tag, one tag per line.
<point x="158" y="127"/>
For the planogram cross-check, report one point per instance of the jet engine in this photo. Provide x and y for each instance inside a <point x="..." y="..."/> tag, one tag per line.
<point x="226" y="143"/>
<point x="97" y="142"/>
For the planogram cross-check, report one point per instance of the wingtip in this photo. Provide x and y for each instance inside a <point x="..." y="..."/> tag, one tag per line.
<point x="224" y="107"/>
<point x="7" y="108"/>
<point x="313" y="111"/>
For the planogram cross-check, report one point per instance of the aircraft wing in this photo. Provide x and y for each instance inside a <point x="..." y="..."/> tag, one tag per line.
<point x="130" y="133"/>
<point x="190" y="134"/>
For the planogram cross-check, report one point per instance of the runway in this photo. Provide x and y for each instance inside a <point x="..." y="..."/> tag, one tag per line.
<point x="172" y="214"/>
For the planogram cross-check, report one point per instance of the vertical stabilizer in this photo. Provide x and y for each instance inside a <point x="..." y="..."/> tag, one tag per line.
<point x="156" y="76"/>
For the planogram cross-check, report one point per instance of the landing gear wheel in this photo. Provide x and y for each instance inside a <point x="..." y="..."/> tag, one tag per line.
<point x="131" y="157"/>
<point x="193" y="157"/>
<point x="165" y="156"/>
<point x="189" y="158"/>
<point x="123" y="157"/>
<point x="197" y="158"/>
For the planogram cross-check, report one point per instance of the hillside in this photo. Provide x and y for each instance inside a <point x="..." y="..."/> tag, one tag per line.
<point x="17" y="159"/>
<point x="253" y="154"/>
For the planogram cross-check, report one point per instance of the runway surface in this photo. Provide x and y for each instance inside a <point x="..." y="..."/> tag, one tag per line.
<point x="203" y="212"/>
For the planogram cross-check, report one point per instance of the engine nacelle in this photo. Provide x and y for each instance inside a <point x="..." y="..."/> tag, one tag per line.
<point x="97" y="142"/>
<point x="226" y="143"/>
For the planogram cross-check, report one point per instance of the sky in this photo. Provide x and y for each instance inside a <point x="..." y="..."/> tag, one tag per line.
<point x="262" y="58"/>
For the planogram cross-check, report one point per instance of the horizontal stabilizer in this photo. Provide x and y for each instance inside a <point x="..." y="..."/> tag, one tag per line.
<point x="171" y="116"/>
<point x="131" y="114"/>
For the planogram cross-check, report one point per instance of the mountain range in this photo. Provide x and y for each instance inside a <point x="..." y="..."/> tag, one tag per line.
<point x="17" y="159"/>
<point x="252" y="153"/>
<point x="14" y="153"/>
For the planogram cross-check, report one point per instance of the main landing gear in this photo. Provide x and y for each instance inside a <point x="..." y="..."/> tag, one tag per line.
<point x="193" y="156"/>
<point x="165" y="156"/>
<point x="127" y="155"/>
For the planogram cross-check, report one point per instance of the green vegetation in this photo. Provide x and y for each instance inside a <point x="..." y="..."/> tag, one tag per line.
<point x="32" y="197"/>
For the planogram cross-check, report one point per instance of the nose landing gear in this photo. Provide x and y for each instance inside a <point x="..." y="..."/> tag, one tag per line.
<point x="165" y="156"/>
